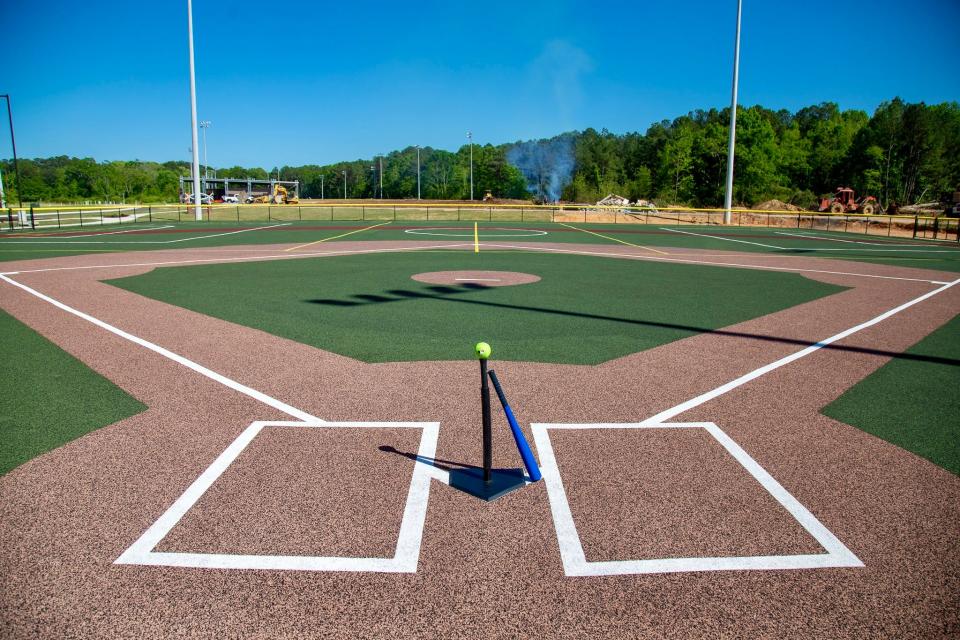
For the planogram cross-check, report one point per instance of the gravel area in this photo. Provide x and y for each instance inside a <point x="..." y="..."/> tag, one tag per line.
<point x="485" y="570"/>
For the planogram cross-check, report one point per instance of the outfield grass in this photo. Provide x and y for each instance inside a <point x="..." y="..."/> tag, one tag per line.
<point x="913" y="404"/>
<point x="585" y="310"/>
<point x="50" y="397"/>
<point x="286" y="228"/>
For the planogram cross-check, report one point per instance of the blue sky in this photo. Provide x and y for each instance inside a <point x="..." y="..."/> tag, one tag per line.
<point x="316" y="82"/>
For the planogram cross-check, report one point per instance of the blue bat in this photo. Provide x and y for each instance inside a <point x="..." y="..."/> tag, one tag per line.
<point x="528" y="460"/>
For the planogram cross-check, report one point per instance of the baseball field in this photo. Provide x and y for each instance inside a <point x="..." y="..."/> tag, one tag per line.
<point x="249" y="430"/>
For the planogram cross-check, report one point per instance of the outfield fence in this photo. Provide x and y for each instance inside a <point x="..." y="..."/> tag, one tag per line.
<point x="46" y="218"/>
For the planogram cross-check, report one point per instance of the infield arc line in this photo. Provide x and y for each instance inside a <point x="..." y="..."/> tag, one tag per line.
<point x="409" y="537"/>
<point x="571" y="548"/>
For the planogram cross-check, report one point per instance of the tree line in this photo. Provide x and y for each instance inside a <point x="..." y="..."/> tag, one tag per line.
<point x="903" y="153"/>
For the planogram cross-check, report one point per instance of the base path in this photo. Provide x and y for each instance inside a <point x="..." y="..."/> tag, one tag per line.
<point x="481" y="570"/>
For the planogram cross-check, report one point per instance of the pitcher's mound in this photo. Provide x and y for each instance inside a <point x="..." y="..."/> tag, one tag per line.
<point x="482" y="278"/>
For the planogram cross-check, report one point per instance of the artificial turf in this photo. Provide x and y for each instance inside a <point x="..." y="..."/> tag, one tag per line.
<point x="50" y="397"/>
<point x="584" y="310"/>
<point x="912" y="403"/>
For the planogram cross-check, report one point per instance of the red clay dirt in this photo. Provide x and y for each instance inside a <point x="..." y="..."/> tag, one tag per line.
<point x="485" y="570"/>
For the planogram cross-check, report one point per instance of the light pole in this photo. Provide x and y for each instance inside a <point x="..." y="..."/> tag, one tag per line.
<point x="470" y="138"/>
<point x="381" y="176"/>
<point x="321" y="186"/>
<point x="373" y="180"/>
<point x="344" y="184"/>
<point x="418" y="172"/>
<point x="728" y="197"/>
<point x="198" y="213"/>
<point x="205" y="124"/>
<point x="13" y="143"/>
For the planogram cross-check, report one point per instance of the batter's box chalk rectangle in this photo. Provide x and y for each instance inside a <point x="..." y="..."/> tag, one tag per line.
<point x="404" y="559"/>
<point x="571" y="549"/>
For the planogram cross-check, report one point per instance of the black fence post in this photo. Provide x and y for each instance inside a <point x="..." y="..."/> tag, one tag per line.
<point x="150" y="213"/>
<point x="238" y="213"/>
<point x="81" y="218"/>
<point x="58" y="219"/>
<point x="300" y="213"/>
<point x="915" y="226"/>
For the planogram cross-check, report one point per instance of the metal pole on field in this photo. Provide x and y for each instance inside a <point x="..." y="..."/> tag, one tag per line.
<point x="198" y="212"/>
<point x="321" y="186"/>
<point x="381" y="176"/>
<point x="205" y="124"/>
<point x="470" y="138"/>
<point x="418" y="172"/>
<point x="13" y="143"/>
<point x="344" y="184"/>
<point x="728" y="197"/>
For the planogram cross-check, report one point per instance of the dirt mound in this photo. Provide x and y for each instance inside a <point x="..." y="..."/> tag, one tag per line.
<point x="777" y="205"/>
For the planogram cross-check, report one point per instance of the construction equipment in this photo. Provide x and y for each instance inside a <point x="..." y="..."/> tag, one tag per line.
<point x="279" y="196"/>
<point x="844" y="200"/>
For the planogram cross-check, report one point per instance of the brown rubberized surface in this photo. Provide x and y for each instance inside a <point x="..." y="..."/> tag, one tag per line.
<point x="484" y="278"/>
<point x="485" y="570"/>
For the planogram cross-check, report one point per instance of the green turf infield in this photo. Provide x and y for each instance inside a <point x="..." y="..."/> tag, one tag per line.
<point x="50" y="397"/>
<point x="912" y="403"/>
<point x="584" y="310"/>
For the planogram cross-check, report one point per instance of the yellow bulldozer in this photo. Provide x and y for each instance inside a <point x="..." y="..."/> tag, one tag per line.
<point x="280" y="195"/>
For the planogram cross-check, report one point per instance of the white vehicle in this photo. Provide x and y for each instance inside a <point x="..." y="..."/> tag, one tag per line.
<point x="231" y="200"/>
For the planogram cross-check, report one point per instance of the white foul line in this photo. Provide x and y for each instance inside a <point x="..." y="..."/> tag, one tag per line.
<point x="229" y="233"/>
<point x="113" y="233"/>
<point x="639" y="256"/>
<point x="756" y="373"/>
<point x="115" y="242"/>
<point x="875" y="244"/>
<point x="704" y="235"/>
<point x="166" y="353"/>
<point x="279" y="256"/>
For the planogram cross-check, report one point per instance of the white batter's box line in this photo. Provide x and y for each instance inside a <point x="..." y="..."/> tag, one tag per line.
<point x="409" y="539"/>
<point x="571" y="548"/>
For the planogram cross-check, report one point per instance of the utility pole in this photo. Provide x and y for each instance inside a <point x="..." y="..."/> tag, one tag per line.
<point x="470" y="138"/>
<point x="13" y="143"/>
<point x="418" y="172"/>
<point x="728" y="197"/>
<point x="344" y="184"/>
<point x="321" y="186"/>
<point x="381" y="176"/>
<point x="198" y="213"/>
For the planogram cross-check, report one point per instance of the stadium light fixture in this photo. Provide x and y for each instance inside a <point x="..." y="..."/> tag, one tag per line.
<point x="728" y="196"/>
<point x="470" y="138"/>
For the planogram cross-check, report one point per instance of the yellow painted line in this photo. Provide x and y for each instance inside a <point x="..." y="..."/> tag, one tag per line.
<point x="342" y="235"/>
<point x="600" y="235"/>
<point x="476" y="239"/>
